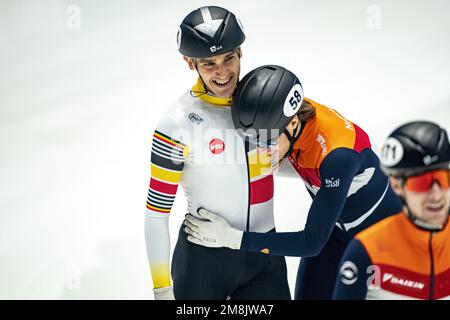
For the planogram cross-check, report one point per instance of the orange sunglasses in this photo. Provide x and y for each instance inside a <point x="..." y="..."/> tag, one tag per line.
<point x="424" y="181"/>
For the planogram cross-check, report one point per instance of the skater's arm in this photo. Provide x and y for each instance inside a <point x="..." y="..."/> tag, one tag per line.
<point x="354" y="272"/>
<point x="167" y="161"/>
<point x="337" y="172"/>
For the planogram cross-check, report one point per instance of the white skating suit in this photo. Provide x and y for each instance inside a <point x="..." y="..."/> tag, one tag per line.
<point x="195" y="145"/>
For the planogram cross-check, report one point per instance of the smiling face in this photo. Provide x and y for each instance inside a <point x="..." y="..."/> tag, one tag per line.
<point x="430" y="206"/>
<point x="220" y="73"/>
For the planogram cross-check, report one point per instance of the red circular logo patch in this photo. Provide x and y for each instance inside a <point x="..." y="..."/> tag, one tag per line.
<point x="216" y="146"/>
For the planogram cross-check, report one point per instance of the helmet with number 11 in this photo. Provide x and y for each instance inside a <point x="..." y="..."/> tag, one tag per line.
<point x="417" y="156"/>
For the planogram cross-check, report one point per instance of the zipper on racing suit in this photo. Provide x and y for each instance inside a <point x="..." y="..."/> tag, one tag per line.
<point x="430" y="248"/>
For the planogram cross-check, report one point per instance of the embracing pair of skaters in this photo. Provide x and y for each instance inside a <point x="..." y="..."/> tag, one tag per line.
<point x="366" y="235"/>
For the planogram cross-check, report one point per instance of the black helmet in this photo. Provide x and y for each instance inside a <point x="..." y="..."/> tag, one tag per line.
<point x="267" y="98"/>
<point x="414" y="148"/>
<point x="209" y="31"/>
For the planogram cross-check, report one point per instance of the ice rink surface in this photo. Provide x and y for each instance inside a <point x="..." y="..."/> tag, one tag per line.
<point x="83" y="84"/>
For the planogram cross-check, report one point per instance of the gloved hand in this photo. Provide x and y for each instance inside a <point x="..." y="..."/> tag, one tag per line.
<point x="215" y="232"/>
<point x="164" y="293"/>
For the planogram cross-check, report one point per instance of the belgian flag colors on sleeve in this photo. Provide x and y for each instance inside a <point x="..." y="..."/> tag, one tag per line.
<point x="167" y="161"/>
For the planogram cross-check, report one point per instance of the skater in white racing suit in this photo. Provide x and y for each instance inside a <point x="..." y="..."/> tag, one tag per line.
<point x="195" y="145"/>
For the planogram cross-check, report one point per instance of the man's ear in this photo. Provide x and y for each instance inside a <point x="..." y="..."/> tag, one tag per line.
<point x="396" y="185"/>
<point x="294" y="123"/>
<point x="239" y="52"/>
<point x="190" y="62"/>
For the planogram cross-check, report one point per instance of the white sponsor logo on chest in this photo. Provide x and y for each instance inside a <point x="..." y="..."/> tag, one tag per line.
<point x="389" y="277"/>
<point x="322" y="142"/>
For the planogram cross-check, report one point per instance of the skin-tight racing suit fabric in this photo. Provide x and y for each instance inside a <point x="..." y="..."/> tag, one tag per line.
<point x="340" y="168"/>
<point x="195" y="146"/>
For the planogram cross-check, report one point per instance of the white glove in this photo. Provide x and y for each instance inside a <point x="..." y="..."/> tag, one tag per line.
<point x="215" y="232"/>
<point x="164" y="293"/>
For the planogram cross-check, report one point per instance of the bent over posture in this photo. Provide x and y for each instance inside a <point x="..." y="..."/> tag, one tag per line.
<point x="332" y="155"/>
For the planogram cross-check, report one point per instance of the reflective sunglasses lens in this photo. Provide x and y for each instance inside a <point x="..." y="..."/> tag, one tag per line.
<point x="423" y="182"/>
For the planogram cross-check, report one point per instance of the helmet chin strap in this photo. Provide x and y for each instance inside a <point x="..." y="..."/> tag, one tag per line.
<point x="201" y="79"/>
<point x="293" y="138"/>
<point x="421" y="224"/>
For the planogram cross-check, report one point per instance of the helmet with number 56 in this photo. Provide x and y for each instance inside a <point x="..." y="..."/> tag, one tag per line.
<point x="265" y="101"/>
